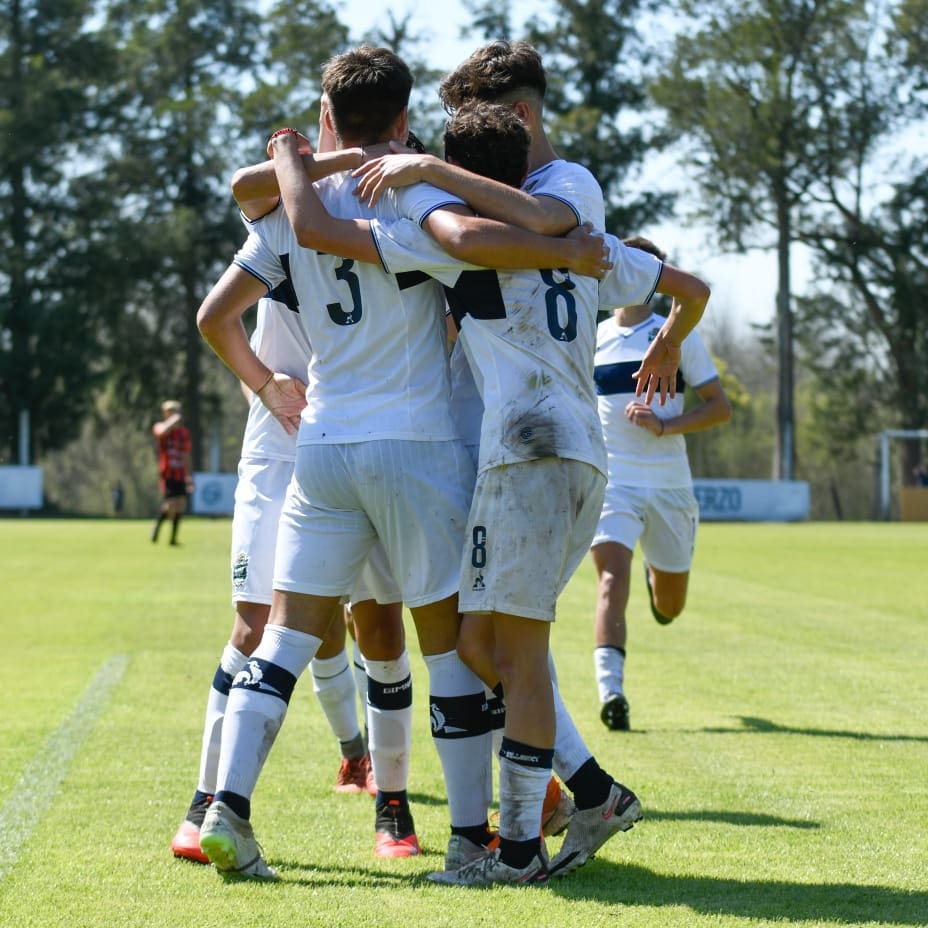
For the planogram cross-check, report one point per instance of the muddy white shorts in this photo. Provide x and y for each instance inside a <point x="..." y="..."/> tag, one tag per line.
<point x="530" y="526"/>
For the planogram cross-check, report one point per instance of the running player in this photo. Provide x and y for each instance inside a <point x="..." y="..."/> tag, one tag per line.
<point x="649" y="496"/>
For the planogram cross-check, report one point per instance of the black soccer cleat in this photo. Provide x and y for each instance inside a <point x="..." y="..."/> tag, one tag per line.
<point x="614" y="714"/>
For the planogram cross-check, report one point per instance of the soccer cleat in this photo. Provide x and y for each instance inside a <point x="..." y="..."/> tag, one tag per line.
<point x="659" y="617"/>
<point x="396" y="833"/>
<point x="229" y="843"/>
<point x="186" y="843"/>
<point x="557" y="810"/>
<point x="590" y="829"/>
<point x="462" y="851"/>
<point x="186" y="840"/>
<point x="355" y="775"/>
<point x="614" y="714"/>
<point x="489" y="869"/>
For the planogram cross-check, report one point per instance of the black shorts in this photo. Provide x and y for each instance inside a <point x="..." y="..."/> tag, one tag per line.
<point x="175" y="488"/>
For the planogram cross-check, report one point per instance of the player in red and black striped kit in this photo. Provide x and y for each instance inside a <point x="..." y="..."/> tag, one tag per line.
<point x="174" y="467"/>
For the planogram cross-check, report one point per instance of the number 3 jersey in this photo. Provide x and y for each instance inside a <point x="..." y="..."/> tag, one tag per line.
<point x="529" y="335"/>
<point x="378" y="368"/>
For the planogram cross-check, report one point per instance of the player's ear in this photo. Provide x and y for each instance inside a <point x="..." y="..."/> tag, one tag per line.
<point x="401" y="126"/>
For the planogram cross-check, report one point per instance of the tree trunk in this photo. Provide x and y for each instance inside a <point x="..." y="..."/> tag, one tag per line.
<point x="786" y="425"/>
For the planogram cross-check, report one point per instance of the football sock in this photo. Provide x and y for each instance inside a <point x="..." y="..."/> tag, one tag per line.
<point x="570" y="750"/>
<point x="258" y="703"/>
<point x="175" y="522"/>
<point x="460" y="732"/>
<point x="390" y="718"/>
<point x="609" y="665"/>
<point x="524" y="772"/>
<point x="333" y="684"/>
<point x="590" y="785"/>
<point x="230" y="663"/>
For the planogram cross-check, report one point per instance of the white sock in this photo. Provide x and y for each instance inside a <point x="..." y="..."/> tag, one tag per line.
<point x="360" y="679"/>
<point x="253" y="718"/>
<point x="390" y="734"/>
<point x="465" y="761"/>
<point x="609" y="664"/>
<point x="521" y="798"/>
<point x="231" y="663"/>
<point x="570" y="750"/>
<point x="333" y="684"/>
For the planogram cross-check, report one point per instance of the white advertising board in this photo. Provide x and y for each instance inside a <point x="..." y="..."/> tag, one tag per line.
<point x="213" y="494"/>
<point x="20" y="487"/>
<point x="752" y="500"/>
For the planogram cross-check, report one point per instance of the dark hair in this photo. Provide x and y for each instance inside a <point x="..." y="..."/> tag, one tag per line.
<point x="415" y="143"/>
<point x="499" y="72"/>
<point x="645" y="244"/>
<point x="367" y="89"/>
<point x="488" y="139"/>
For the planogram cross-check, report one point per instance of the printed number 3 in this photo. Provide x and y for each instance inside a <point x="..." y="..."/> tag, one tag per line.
<point x="336" y="311"/>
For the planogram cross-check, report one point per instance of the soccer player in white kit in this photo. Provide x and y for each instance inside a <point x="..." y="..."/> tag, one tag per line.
<point x="556" y="196"/>
<point x="264" y="471"/>
<point x="649" y="496"/>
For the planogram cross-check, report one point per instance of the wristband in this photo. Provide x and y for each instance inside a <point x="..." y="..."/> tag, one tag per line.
<point x="270" y="377"/>
<point x="285" y="131"/>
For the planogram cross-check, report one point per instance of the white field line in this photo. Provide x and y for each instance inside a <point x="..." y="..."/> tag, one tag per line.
<point x="39" y="784"/>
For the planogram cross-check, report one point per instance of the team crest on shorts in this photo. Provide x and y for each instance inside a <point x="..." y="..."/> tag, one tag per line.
<point x="239" y="571"/>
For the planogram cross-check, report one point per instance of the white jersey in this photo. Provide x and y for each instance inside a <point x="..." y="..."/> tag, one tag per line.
<point x="529" y="338"/>
<point x="280" y="341"/>
<point x="638" y="458"/>
<point x="379" y="367"/>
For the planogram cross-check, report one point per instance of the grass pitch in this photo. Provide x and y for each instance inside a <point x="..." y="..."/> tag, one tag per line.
<point x="780" y="746"/>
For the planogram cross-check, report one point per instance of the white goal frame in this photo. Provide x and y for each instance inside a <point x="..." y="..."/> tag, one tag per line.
<point x="884" y="438"/>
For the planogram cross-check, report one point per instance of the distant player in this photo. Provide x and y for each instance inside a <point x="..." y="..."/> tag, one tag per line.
<point x="649" y="497"/>
<point x="175" y="471"/>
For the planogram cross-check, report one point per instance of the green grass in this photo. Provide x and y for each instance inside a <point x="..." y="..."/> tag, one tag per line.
<point x="780" y="746"/>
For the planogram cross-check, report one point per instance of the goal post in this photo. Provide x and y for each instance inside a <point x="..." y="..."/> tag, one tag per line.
<point x="884" y="439"/>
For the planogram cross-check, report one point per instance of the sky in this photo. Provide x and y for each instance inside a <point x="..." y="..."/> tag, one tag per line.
<point x="743" y="286"/>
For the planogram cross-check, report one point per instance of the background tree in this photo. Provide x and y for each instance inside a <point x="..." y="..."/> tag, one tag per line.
<point x="185" y="64"/>
<point x="750" y="85"/>
<point x="56" y="73"/>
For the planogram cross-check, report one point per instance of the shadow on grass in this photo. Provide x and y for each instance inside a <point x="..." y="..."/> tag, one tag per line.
<point x="850" y="903"/>
<point x="748" y="819"/>
<point x="752" y="725"/>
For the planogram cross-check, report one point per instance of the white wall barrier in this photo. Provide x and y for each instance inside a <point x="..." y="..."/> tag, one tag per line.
<point x="20" y="487"/>
<point x="213" y="494"/>
<point x="752" y="500"/>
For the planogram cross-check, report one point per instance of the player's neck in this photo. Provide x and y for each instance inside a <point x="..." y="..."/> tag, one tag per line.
<point x="631" y="316"/>
<point x="540" y="151"/>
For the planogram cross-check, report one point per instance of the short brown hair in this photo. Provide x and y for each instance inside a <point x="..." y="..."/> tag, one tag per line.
<point x="367" y="89"/>
<point x="645" y="244"/>
<point x="489" y="139"/>
<point x="498" y="73"/>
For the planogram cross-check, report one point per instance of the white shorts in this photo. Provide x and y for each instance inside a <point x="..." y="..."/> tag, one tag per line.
<point x="259" y="497"/>
<point x="664" y="521"/>
<point x="376" y="581"/>
<point x="413" y="496"/>
<point x="530" y="526"/>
